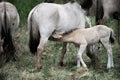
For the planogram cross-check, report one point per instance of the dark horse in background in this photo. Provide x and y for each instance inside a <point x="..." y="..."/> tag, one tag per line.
<point x="9" y="21"/>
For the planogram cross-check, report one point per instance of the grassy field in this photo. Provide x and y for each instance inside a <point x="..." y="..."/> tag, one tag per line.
<point x="23" y="68"/>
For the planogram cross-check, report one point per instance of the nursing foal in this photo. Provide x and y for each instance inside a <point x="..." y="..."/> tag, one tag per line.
<point x="83" y="37"/>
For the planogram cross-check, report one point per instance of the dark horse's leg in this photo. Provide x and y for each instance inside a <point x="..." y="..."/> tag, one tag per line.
<point x="116" y="15"/>
<point x="93" y="53"/>
<point x="64" y="45"/>
<point x="8" y="46"/>
<point x="99" y="12"/>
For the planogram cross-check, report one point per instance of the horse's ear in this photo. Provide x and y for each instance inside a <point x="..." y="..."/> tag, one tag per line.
<point x="72" y="1"/>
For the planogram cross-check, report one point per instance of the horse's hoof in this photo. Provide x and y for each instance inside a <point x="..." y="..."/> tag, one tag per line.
<point x="82" y="70"/>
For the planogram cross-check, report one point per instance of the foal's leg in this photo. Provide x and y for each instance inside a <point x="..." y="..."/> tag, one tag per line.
<point x="78" y="60"/>
<point x="111" y="56"/>
<point x="109" y="52"/>
<point x="40" y="49"/>
<point x="64" y="48"/>
<point x="79" y="55"/>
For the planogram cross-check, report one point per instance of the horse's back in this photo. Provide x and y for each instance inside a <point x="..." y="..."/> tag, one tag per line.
<point x="102" y="27"/>
<point x="45" y="9"/>
<point x="59" y="16"/>
<point x="103" y="30"/>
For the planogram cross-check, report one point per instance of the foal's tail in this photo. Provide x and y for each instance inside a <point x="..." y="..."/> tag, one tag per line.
<point x="112" y="36"/>
<point x="33" y="33"/>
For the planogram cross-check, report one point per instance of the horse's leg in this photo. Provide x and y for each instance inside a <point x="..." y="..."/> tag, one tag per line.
<point x="64" y="48"/>
<point x="78" y="60"/>
<point x="79" y="55"/>
<point x="14" y="55"/>
<point x="8" y="46"/>
<point x="91" y="50"/>
<point x="40" y="49"/>
<point x="109" y="52"/>
<point x="93" y="53"/>
<point x="110" y="48"/>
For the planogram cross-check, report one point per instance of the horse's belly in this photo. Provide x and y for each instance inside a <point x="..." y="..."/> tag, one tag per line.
<point x="66" y="28"/>
<point x="67" y="24"/>
<point x="92" y="38"/>
<point x="92" y="41"/>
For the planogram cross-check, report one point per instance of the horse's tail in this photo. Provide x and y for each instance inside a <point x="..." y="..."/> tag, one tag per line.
<point x="8" y="45"/>
<point x="34" y="36"/>
<point x="112" y="36"/>
<point x="5" y="19"/>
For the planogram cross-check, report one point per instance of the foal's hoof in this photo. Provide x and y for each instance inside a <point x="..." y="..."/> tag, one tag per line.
<point x="82" y="70"/>
<point x="38" y="67"/>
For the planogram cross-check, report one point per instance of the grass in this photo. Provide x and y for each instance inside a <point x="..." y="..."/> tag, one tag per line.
<point x="23" y="68"/>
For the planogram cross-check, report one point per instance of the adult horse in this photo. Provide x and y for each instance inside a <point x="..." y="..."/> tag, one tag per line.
<point x="48" y="18"/>
<point x="104" y="8"/>
<point x="9" y="21"/>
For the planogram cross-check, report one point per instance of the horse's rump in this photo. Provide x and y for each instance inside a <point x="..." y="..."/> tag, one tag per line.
<point x="9" y="22"/>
